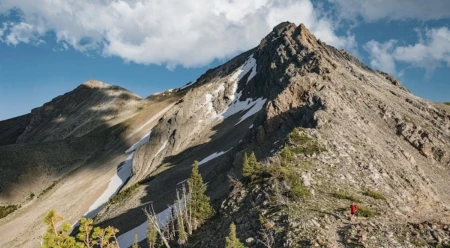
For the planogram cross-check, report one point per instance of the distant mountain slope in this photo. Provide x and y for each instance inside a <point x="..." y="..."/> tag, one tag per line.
<point x="73" y="114"/>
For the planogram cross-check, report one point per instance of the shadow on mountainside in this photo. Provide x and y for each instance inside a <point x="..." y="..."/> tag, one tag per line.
<point x="160" y="190"/>
<point x="32" y="167"/>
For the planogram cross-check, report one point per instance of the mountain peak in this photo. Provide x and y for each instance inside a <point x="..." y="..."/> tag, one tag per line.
<point x="305" y="36"/>
<point x="95" y="84"/>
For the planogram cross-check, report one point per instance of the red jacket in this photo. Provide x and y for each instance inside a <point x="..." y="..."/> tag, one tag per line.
<point x="353" y="208"/>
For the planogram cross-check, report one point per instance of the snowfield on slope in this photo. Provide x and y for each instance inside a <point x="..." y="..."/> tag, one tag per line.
<point x="213" y="156"/>
<point x="253" y="106"/>
<point x="139" y="143"/>
<point x="127" y="239"/>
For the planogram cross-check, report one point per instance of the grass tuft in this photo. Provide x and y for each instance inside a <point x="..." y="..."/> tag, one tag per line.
<point x="374" y="195"/>
<point x="6" y="210"/>
<point x="124" y="194"/>
<point x="343" y="196"/>
<point x="48" y="188"/>
<point x="365" y="212"/>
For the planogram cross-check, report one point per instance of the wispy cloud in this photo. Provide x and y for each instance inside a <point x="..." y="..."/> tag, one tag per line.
<point x="374" y="10"/>
<point x="432" y="50"/>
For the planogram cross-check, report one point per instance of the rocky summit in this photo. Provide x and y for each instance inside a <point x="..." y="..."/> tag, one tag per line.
<point x="326" y="131"/>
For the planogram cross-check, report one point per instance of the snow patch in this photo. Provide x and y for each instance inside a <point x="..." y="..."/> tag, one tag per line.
<point x="116" y="182"/>
<point x="213" y="156"/>
<point x="250" y="64"/>
<point x="220" y="88"/>
<point x="253" y="106"/>
<point x="250" y="127"/>
<point x="161" y="149"/>
<point x="257" y="105"/>
<point x="139" y="143"/>
<point x="187" y="85"/>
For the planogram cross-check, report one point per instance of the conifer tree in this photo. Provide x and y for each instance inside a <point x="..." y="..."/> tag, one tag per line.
<point x="232" y="241"/>
<point x="58" y="238"/>
<point x="198" y="201"/>
<point x="251" y="167"/>
<point x="88" y="237"/>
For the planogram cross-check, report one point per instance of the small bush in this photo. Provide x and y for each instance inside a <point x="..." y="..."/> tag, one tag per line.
<point x="251" y="168"/>
<point x="124" y="194"/>
<point x="365" y="212"/>
<point x="344" y="196"/>
<point x="31" y="197"/>
<point x="304" y="144"/>
<point x="6" y="210"/>
<point x="48" y="188"/>
<point x="447" y="103"/>
<point x="287" y="154"/>
<point x="298" y="138"/>
<point x="297" y="190"/>
<point x="374" y="195"/>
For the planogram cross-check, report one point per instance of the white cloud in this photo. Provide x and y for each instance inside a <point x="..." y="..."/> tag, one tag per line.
<point x="373" y="10"/>
<point x="380" y="55"/>
<point x="171" y="32"/>
<point x="431" y="51"/>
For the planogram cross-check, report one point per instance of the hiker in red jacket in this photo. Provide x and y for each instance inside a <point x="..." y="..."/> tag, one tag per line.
<point x="353" y="209"/>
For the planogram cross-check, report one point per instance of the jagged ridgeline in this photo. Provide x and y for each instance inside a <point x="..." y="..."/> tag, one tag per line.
<point x="287" y="136"/>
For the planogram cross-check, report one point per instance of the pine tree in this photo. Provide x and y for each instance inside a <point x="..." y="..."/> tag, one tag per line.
<point x="251" y="167"/>
<point x="88" y="236"/>
<point x="58" y="238"/>
<point x="232" y="241"/>
<point x="198" y="201"/>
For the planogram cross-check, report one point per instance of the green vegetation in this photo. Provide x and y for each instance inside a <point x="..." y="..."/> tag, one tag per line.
<point x="88" y="236"/>
<point x="344" y="196"/>
<point x="30" y="197"/>
<point x="232" y="241"/>
<point x="199" y="201"/>
<point x="122" y="195"/>
<point x="304" y="144"/>
<point x="152" y="236"/>
<point x="6" y="210"/>
<point x="287" y="154"/>
<point x="252" y="169"/>
<point x="365" y="212"/>
<point x="374" y="195"/>
<point x="297" y="190"/>
<point x="443" y="245"/>
<point x="48" y="188"/>
<point x="447" y="103"/>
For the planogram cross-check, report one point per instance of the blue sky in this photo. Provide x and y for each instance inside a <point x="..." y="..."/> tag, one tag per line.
<point x="48" y="48"/>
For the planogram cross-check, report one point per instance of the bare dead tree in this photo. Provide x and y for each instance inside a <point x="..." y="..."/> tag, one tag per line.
<point x="267" y="238"/>
<point x="186" y="209"/>
<point x="153" y="220"/>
